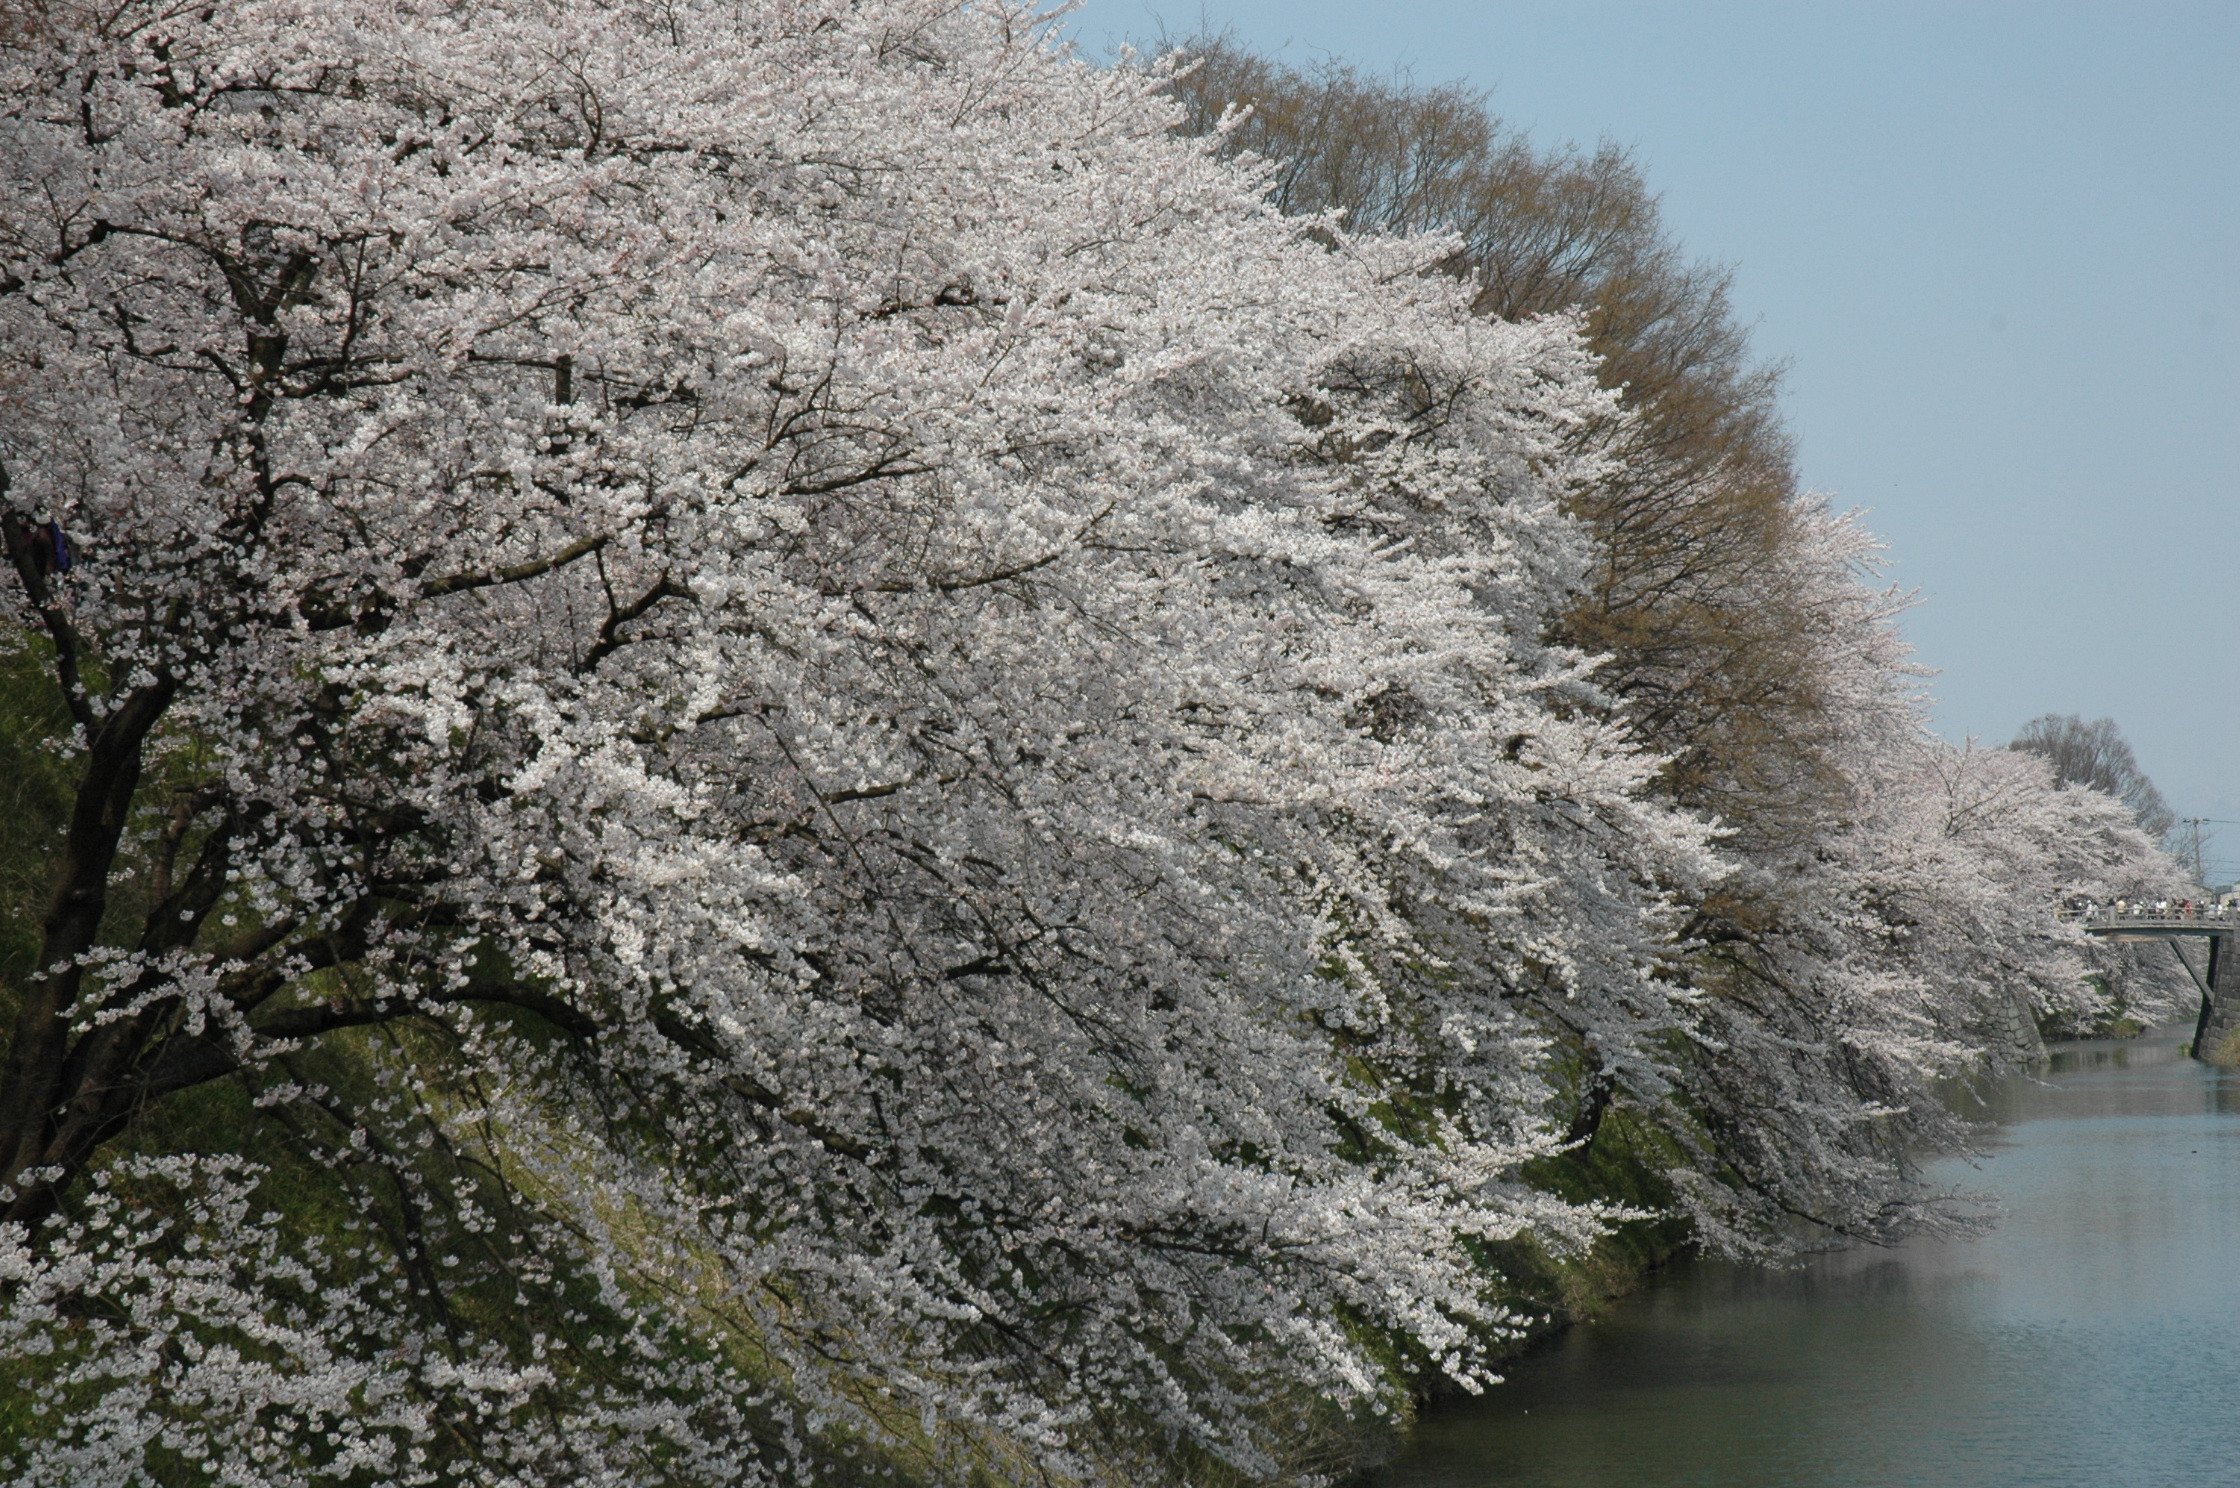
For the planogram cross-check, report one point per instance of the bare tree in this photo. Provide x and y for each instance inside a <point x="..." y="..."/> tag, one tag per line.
<point x="2096" y="754"/>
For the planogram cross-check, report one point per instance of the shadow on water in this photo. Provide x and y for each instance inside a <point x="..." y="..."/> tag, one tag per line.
<point x="2092" y="1339"/>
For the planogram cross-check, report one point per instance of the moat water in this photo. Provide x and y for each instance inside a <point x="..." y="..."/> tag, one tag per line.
<point x="2092" y="1340"/>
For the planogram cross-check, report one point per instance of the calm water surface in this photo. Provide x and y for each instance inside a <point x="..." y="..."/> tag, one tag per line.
<point x="2092" y="1340"/>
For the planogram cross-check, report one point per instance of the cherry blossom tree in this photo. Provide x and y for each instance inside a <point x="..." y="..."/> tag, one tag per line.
<point x="1904" y="932"/>
<point x="1748" y="644"/>
<point x="794" y="751"/>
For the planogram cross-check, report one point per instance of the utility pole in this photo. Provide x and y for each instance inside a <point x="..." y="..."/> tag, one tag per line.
<point x="2193" y="825"/>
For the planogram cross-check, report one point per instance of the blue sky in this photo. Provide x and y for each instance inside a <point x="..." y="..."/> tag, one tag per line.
<point x="1998" y="247"/>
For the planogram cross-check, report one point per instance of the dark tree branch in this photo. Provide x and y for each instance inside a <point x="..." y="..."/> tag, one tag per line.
<point x="610" y="634"/>
<point x="16" y="529"/>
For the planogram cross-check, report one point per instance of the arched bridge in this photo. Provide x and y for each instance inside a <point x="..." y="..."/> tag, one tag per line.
<point x="2216" y="1034"/>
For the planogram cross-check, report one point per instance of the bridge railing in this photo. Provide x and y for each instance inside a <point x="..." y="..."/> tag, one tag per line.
<point x="2207" y="918"/>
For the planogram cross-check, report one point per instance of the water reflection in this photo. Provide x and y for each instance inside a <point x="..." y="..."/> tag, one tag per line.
<point x="2092" y="1339"/>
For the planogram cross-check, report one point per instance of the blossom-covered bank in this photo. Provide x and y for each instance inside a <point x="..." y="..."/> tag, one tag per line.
<point x="782" y="747"/>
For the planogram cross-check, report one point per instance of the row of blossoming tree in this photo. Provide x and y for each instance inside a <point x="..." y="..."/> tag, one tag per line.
<point x="783" y="749"/>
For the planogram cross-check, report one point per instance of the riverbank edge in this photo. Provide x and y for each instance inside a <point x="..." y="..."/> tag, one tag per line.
<point x="1558" y="1293"/>
<point x="1561" y="1293"/>
<point x="1555" y="1294"/>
